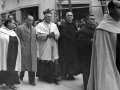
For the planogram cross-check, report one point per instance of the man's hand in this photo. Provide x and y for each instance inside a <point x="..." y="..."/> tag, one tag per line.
<point x="92" y="40"/>
<point x="51" y="35"/>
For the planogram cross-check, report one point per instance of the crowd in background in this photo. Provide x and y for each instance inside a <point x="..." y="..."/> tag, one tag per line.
<point x="57" y="55"/>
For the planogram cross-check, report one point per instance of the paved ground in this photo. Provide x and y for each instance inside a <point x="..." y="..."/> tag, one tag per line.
<point x="76" y="84"/>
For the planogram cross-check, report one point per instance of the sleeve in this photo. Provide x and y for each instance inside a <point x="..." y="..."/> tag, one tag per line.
<point x="40" y="35"/>
<point x="18" y="32"/>
<point x="83" y="40"/>
<point x="64" y="35"/>
<point x="57" y="34"/>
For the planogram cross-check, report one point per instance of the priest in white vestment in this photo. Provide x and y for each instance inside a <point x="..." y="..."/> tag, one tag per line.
<point x="47" y="36"/>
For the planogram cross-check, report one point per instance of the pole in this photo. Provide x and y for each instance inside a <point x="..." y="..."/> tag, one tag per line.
<point x="60" y="11"/>
<point x="70" y="6"/>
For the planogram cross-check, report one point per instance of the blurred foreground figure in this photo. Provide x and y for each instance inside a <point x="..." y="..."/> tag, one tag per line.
<point x="104" y="74"/>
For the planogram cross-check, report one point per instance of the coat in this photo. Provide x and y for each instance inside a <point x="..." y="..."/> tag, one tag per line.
<point x="28" y="47"/>
<point x="85" y="50"/>
<point x="67" y="49"/>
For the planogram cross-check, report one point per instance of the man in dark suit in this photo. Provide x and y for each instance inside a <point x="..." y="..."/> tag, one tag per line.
<point x="27" y="35"/>
<point x="67" y="50"/>
<point x="85" y="46"/>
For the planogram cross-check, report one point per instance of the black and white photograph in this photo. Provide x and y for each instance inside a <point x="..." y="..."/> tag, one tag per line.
<point x="59" y="44"/>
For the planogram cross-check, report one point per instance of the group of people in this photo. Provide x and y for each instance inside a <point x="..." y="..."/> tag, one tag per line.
<point x="49" y="52"/>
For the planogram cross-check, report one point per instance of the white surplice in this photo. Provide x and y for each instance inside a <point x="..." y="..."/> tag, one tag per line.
<point x="47" y="48"/>
<point x="4" y="41"/>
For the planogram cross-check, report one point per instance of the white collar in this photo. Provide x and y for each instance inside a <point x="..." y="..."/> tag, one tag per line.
<point x="5" y="30"/>
<point x="109" y="24"/>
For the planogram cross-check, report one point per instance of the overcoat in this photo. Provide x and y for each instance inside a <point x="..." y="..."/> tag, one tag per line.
<point x="28" y="47"/>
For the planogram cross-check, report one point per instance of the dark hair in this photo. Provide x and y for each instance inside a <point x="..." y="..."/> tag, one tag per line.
<point x="87" y="17"/>
<point x="110" y="5"/>
<point x="7" y="21"/>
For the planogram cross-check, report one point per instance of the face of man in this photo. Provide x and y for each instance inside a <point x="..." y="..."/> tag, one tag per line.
<point x="11" y="25"/>
<point x="69" y="16"/>
<point x="29" y="20"/>
<point x="47" y="18"/>
<point x="91" y="20"/>
<point x="116" y="10"/>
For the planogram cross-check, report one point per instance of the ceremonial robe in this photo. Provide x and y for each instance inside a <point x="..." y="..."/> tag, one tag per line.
<point x="68" y="57"/>
<point x="10" y="57"/>
<point x="47" y="51"/>
<point x="44" y="44"/>
<point x="4" y="41"/>
<point x="104" y="74"/>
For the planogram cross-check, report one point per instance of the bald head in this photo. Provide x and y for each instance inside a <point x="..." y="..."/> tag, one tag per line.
<point x="29" y="17"/>
<point x="69" y="17"/>
<point x="69" y="13"/>
<point x="114" y="9"/>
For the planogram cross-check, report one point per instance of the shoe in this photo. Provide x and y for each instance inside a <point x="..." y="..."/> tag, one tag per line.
<point x="21" y="78"/>
<point x="56" y="82"/>
<point x="49" y="82"/>
<point x="71" y="78"/>
<point x="12" y="87"/>
<point x="15" y="87"/>
<point x="33" y="84"/>
<point x="64" y="77"/>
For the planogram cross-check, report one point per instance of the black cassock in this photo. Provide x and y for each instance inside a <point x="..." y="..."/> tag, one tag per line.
<point x="10" y="76"/>
<point x="68" y="56"/>
<point x="85" y="51"/>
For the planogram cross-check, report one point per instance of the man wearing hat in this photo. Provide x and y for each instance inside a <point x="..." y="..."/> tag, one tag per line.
<point x="47" y="36"/>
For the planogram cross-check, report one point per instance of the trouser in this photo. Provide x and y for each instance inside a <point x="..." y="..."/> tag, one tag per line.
<point x="31" y="76"/>
<point x="86" y="74"/>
